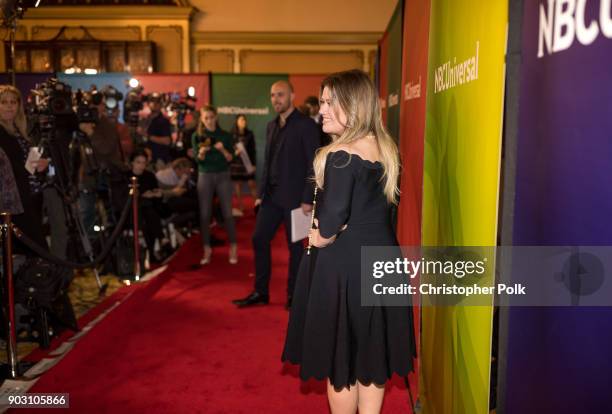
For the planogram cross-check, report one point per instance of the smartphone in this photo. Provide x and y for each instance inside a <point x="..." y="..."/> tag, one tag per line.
<point x="33" y="157"/>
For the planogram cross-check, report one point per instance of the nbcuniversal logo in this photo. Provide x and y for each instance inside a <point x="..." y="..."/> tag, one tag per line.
<point x="563" y="21"/>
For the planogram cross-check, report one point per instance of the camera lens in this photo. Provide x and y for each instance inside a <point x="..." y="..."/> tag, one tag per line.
<point x="58" y="106"/>
<point x="96" y="98"/>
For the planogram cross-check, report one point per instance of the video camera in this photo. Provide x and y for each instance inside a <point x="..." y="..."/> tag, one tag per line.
<point x="177" y="103"/>
<point x="110" y="96"/>
<point x="51" y="102"/>
<point x="86" y="112"/>
<point x="55" y="112"/>
<point x="181" y="105"/>
<point x="133" y="104"/>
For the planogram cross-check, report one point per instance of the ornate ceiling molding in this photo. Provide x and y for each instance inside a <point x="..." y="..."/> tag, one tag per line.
<point x="319" y="38"/>
<point x="110" y="12"/>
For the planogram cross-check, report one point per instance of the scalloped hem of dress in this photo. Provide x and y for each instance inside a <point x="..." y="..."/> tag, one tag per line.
<point x="363" y="380"/>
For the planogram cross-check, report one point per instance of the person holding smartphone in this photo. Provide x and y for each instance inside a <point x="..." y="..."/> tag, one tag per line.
<point x="214" y="152"/>
<point x="26" y="162"/>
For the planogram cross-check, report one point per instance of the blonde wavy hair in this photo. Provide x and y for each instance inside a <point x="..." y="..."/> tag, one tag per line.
<point x="200" y="129"/>
<point x="354" y="94"/>
<point x="20" y="120"/>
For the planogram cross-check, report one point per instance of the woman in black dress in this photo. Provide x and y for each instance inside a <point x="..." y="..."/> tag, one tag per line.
<point x="16" y="145"/>
<point x="330" y="334"/>
<point x="242" y="134"/>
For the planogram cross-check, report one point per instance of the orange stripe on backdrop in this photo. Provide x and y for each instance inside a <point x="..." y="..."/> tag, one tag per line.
<point x="412" y="119"/>
<point x="305" y="86"/>
<point x="383" y="89"/>
<point x="412" y="134"/>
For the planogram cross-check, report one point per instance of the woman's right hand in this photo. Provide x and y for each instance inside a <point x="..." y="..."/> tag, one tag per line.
<point x="202" y="153"/>
<point x="316" y="240"/>
<point x="42" y="164"/>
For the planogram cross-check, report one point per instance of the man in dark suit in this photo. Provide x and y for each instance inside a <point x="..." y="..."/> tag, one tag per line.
<point x="291" y="141"/>
<point x="311" y="104"/>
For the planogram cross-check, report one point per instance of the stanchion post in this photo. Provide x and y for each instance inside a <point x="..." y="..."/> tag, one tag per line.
<point x="9" y="301"/>
<point x="134" y="193"/>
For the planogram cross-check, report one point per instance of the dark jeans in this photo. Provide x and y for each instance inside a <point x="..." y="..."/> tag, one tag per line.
<point x="270" y="216"/>
<point x="151" y="225"/>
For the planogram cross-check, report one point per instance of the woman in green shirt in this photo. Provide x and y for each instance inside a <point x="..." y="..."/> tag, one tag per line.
<point x="213" y="150"/>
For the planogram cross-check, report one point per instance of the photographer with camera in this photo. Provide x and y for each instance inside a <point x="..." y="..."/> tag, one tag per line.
<point x="182" y="113"/>
<point x="26" y="163"/>
<point x="214" y="150"/>
<point x="174" y="181"/>
<point x="105" y="165"/>
<point x="125" y="138"/>
<point x="179" y="190"/>
<point x="159" y="132"/>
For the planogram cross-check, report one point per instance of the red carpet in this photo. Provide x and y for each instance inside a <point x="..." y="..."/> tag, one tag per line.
<point x="178" y="345"/>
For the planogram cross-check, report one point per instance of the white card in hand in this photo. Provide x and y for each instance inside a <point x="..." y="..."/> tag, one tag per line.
<point x="246" y="161"/>
<point x="32" y="161"/>
<point x="300" y="224"/>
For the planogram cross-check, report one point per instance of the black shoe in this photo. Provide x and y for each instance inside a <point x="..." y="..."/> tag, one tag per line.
<point x="254" y="298"/>
<point x="289" y="300"/>
<point x="237" y="301"/>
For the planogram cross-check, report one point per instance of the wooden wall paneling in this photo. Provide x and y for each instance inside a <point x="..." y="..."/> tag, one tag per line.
<point x="44" y="32"/>
<point x="129" y="33"/>
<point x="218" y="61"/>
<point x="20" y="34"/>
<point x="372" y="56"/>
<point x="169" y="46"/>
<point x="299" y="61"/>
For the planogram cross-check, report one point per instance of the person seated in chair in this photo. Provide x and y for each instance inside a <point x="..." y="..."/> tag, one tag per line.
<point x="179" y="193"/>
<point x="148" y="202"/>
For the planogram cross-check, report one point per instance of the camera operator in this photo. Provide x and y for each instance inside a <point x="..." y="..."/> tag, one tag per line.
<point x="182" y="113"/>
<point x="126" y="141"/>
<point x="179" y="194"/>
<point x="53" y="124"/>
<point x="26" y="165"/>
<point x="105" y="165"/>
<point x="159" y="132"/>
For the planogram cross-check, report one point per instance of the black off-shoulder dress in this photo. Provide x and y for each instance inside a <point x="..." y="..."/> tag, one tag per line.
<point x="330" y="334"/>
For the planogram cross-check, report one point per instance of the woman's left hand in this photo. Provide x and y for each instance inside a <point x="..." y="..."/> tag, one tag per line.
<point x="42" y="164"/>
<point x="221" y="148"/>
<point x="315" y="238"/>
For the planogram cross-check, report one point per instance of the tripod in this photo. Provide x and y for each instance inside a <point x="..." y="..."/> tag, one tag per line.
<point x="66" y="165"/>
<point x="77" y="236"/>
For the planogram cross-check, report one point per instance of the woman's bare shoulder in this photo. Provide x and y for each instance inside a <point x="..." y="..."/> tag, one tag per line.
<point x="365" y="148"/>
<point x="343" y="147"/>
